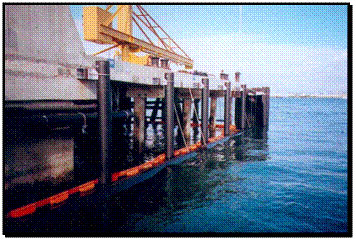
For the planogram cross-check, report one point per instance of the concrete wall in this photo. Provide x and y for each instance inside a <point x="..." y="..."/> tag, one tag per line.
<point x="41" y="159"/>
<point x="42" y="51"/>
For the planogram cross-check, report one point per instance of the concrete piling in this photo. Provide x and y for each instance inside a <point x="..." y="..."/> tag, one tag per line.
<point x="139" y="123"/>
<point x="205" y="110"/>
<point x="238" y="111"/>
<point x="227" y="108"/>
<point x="105" y="119"/>
<point x="264" y="103"/>
<point x="212" y="124"/>
<point x="178" y="117"/>
<point x="196" y="117"/>
<point x="187" y="113"/>
<point x="243" y="107"/>
<point x="154" y="112"/>
<point x="267" y="106"/>
<point x="169" y="115"/>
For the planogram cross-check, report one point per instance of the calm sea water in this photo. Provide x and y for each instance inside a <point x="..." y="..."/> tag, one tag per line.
<point x="291" y="178"/>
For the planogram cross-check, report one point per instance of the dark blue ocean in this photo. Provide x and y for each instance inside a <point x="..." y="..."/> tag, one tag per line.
<point x="290" y="178"/>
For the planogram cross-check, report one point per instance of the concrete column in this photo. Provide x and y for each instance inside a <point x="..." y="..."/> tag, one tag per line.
<point x="196" y="117"/>
<point x="104" y="96"/>
<point x="212" y="119"/>
<point x="259" y="111"/>
<point x="187" y="113"/>
<point x="264" y="103"/>
<point x="170" y="115"/>
<point x="227" y="109"/>
<point x="205" y="110"/>
<point x="238" y="112"/>
<point x="139" y="123"/>
<point x="178" y="118"/>
<point x="243" y="107"/>
<point x="267" y="105"/>
<point x="154" y="112"/>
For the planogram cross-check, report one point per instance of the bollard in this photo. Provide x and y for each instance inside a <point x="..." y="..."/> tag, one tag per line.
<point x="205" y="110"/>
<point x="227" y="109"/>
<point x="105" y="119"/>
<point x="169" y="115"/>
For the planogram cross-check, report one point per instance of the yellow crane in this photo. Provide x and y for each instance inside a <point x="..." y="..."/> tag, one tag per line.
<point x="98" y="28"/>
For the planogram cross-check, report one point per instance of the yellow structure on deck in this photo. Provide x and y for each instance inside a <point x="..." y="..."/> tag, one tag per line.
<point x="98" y="28"/>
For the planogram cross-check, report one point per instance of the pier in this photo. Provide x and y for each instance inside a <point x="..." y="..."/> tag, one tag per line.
<point x="82" y="114"/>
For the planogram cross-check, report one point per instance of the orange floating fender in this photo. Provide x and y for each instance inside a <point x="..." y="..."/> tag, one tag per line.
<point x="198" y="144"/>
<point x="193" y="147"/>
<point x="233" y="128"/>
<point x="219" y="125"/>
<point x="146" y="166"/>
<point x="185" y="150"/>
<point x="23" y="211"/>
<point x="86" y="186"/>
<point x="177" y="153"/>
<point x="211" y="139"/>
<point x="162" y="157"/>
<point x="58" y="198"/>
<point x="42" y="202"/>
<point x="158" y="160"/>
<point x="73" y="190"/>
<point x="133" y="171"/>
<point x="155" y="161"/>
<point x="115" y="176"/>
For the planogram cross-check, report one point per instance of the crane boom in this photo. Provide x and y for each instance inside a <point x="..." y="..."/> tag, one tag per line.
<point x="98" y="28"/>
<point x="122" y="38"/>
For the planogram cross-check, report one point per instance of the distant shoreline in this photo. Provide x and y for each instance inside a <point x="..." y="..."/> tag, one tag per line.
<point x="311" y="96"/>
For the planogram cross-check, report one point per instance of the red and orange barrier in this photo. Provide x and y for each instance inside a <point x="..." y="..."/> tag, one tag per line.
<point x="86" y="187"/>
<point x="23" y="211"/>
<point x="219" y="126"/>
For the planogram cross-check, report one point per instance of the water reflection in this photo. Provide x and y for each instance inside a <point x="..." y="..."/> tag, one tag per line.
<point x="198" y="182"/>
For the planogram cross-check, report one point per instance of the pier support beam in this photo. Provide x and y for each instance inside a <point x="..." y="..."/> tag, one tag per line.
<point x="227" y="109"/>
<point x="154" y="112"/>
<point x="187" y="113"/>
<point x="254" y="106"/>
<point x="205" y="110"/>
<point x="260" y="112"/>
<point x="212" y="119"/>
<point x="267" y="105"/>
<point x="169" y="115"/>
<point x="243" y="106"/>
<point x="178" y="114"/>
<point x="196" y="117"/>
<point x="104" y="96"/>
<point x="139" y="123"/>
<point x="238" y="111"/>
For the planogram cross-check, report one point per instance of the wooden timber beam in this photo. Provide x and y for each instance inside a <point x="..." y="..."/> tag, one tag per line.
<point x="250" y="91"/>
<point x="260" y="89"/>
<point x="235" y="94"/>
<point x="154" y="91"/>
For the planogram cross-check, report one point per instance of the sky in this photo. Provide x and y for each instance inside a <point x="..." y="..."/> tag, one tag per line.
<point x="291" y="48"/>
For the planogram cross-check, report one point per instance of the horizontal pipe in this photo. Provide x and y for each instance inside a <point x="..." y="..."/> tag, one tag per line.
<point x="61" y="120"/>
<point x="53" y="106"/>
